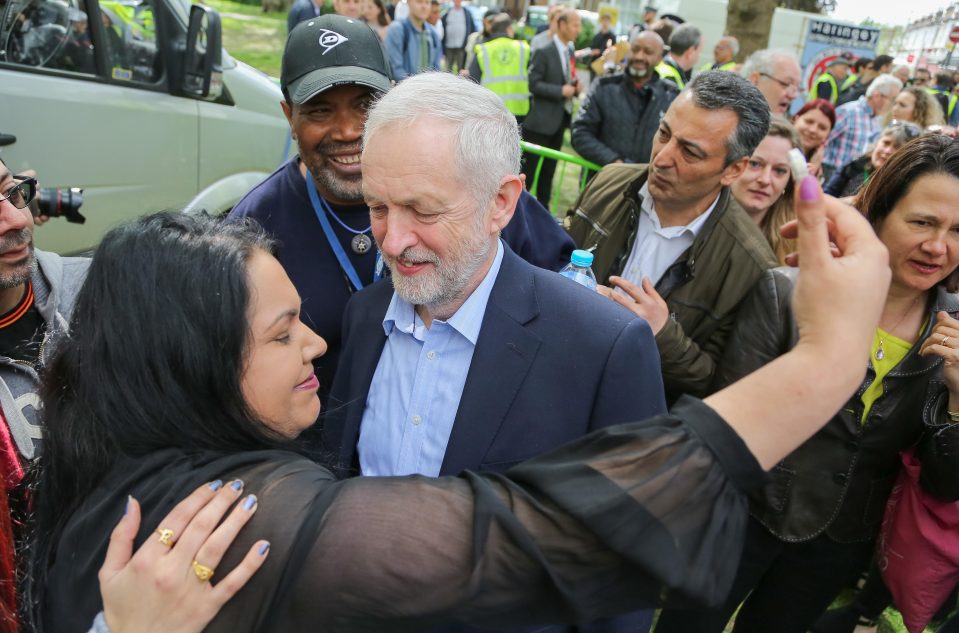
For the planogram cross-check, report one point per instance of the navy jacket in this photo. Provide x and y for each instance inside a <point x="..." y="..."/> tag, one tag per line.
<point x="553" y="362"/>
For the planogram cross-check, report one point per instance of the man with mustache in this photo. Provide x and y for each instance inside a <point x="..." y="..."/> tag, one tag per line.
<point x="37" y="292"/>
<point x="669" y="235"/>
<point x="470" y="358"/>
<point x="619" y="118"/>
<point x="333" y="69"/>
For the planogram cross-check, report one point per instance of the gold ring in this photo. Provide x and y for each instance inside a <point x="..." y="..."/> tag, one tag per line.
<point x="166" y="536"/>
<point x="944" y="339"/>
<point x="202" y="572"/>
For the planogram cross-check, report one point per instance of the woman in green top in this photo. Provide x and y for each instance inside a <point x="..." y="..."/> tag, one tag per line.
<point x="814" y="524"/>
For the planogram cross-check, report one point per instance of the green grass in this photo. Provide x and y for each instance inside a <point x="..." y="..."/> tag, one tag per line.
<point x="251" y="36"/>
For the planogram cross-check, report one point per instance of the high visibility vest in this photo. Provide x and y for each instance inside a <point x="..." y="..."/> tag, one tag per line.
<point x="850" y="80"/>
<point x="951" y="97"/>
<point x="730" y="66"/>
<point x="668" y="71"/>
<point x="834" y="89"/>
<point x="504" y="63"/>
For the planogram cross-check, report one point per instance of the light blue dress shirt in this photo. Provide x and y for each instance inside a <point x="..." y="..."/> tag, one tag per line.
<point x="418" y="383"/>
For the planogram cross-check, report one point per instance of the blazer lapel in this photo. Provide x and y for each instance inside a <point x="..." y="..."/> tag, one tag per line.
<point x="365" y="356"/>
<point x="504" y="353"/>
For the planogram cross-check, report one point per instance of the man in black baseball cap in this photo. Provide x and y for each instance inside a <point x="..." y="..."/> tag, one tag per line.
<point x="333" y="68"/>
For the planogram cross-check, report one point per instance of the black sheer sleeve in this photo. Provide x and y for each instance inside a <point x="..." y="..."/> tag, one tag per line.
<point x="629" y="516"/>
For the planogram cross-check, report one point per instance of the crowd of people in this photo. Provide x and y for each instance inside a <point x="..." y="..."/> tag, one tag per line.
<point x="420" y="426"/>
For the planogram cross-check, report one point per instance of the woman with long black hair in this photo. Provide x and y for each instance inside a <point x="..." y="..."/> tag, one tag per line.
<point x="188" y="364"/>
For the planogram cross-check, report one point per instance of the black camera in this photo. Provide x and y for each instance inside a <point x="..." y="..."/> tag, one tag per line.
<point x="64" y="202"/>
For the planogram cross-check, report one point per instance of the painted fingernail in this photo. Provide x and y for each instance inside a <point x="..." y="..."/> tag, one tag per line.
<point x="264" y="549"/>
<point x="216" y="485"/>
<point x="249" y="502"/>
<point x="809" y="189"/>
<point x="237" y="484"/>
<point x="126" y="508"/>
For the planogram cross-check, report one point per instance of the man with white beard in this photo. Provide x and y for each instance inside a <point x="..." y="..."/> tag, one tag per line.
<point x="620" y="117"/>
<point x="471" y="358"/>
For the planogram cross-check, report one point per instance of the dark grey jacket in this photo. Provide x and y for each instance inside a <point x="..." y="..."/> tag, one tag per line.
<point x="546" y="80"/>
<point x="838" y="481"/>
<point x="56" y="281"/>
<point x="618" y="122"/>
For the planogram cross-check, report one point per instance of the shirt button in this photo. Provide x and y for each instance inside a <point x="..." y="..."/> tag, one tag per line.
<point x="431" y="355"/>
<point x="416" y="420"/>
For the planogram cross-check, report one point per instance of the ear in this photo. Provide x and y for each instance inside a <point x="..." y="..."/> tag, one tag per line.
<point x="504" y="202"/>
<point x="288" y="113"/>
<point x="754" y="78"/>
<point x="734" y="171"/>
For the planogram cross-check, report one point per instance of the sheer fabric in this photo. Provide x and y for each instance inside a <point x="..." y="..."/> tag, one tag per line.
<point x="627" y="517"/>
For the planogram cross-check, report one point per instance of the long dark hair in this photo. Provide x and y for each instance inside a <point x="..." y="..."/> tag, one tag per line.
<point x="926" y="154"/>
<point x="153" y="360"/>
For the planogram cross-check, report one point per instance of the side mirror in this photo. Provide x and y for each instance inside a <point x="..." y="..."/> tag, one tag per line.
<point x="203" y="63"/>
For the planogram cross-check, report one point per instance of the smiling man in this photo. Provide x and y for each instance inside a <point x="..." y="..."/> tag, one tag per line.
<point x="333" y="69"/>
<point x="619" y="118"/>
<point x="37" y="292"/>
<point x="471" y="358"/>
<point x="670" y="235"/>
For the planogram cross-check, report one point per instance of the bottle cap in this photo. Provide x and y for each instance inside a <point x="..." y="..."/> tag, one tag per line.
<point x="582" y="258"/>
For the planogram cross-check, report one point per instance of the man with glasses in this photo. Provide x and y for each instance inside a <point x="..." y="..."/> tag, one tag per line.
<point x="776" y="73"/>
<point x="856" y="123"/>
<point x="37" y="292"/>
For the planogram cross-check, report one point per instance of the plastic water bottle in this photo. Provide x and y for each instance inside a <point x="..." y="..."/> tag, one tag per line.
<point x="578" y="269"/>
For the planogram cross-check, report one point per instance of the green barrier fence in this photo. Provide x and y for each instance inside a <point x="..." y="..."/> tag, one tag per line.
<point x="585" y="167"/>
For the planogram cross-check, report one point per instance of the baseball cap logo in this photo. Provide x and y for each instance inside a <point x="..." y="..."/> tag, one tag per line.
<point x="330" y="40"/>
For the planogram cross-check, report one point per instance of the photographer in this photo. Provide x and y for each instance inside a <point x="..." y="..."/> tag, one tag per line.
<point x="37" y="291"/>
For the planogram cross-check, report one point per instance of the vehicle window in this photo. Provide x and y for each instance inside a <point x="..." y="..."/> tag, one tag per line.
<point x="46" y="33"/>
<point x="56" y="34"/>
<point x="131" y="40"/>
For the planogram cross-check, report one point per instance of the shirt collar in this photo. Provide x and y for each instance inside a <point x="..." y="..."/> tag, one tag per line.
<point x="401" y="314"/>
<point x="649" y="208"/>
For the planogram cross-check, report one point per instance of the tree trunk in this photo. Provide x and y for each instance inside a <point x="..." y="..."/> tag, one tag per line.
<point x="749" y="21"/>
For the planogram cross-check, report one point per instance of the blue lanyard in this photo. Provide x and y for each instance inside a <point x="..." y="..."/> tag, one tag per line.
<point x="321" y="209"/>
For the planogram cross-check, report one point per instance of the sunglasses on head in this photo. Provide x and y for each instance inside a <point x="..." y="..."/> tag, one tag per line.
<point x="909" y="130"/>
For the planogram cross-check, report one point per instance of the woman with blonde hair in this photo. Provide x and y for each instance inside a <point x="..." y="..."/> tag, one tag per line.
<point x="915" y="105"/>
<point x="765" y="189"/>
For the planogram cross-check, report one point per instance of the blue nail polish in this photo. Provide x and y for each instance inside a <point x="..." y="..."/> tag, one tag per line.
<point x="216" y="485"/>
<point x="126" y="508"/>
<point x="237" y="485"/>
<point x="249" y="502"/>
<point x="264" y="549"/>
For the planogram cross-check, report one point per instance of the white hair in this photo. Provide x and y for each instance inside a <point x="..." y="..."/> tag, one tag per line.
<point x="884" y="84"/>
<point x="486" y="136"/>
<point x="762" y="61"/>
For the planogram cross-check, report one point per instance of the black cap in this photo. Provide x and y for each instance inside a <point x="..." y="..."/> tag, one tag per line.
<point x="332" y="50"/>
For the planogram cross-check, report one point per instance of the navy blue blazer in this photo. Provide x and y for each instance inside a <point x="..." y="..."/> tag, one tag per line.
<point x="553" y="362"/>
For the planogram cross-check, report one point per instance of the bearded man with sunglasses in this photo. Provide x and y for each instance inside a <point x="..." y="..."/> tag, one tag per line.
<point x="37" y="292"/>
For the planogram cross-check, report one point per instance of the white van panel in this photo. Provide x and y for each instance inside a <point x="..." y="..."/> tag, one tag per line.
<point x="123" y="146"/>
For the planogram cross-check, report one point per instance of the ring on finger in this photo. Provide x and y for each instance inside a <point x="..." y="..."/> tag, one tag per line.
<point x="203" y="573"/>
<point x="165" y="536"/>
<point x="944" y="339"/>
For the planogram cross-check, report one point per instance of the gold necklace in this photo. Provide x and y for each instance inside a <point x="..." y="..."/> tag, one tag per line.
<point x="880" y="352"/>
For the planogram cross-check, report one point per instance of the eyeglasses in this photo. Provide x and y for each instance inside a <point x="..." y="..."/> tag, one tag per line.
<point x="785" y="84"/>
<point x="22" y="193"/>
<point x="909" y="130"/>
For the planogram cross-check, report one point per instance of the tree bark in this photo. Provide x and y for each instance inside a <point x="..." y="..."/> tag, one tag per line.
<point x="749" y="21"/>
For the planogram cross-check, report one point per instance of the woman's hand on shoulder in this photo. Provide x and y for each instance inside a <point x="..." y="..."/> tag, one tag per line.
<point x="164" y="587"/>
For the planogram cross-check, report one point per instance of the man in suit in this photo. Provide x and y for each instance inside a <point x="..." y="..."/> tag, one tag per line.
<point x="553" y="84"/>
<point x="470" y="358"/>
